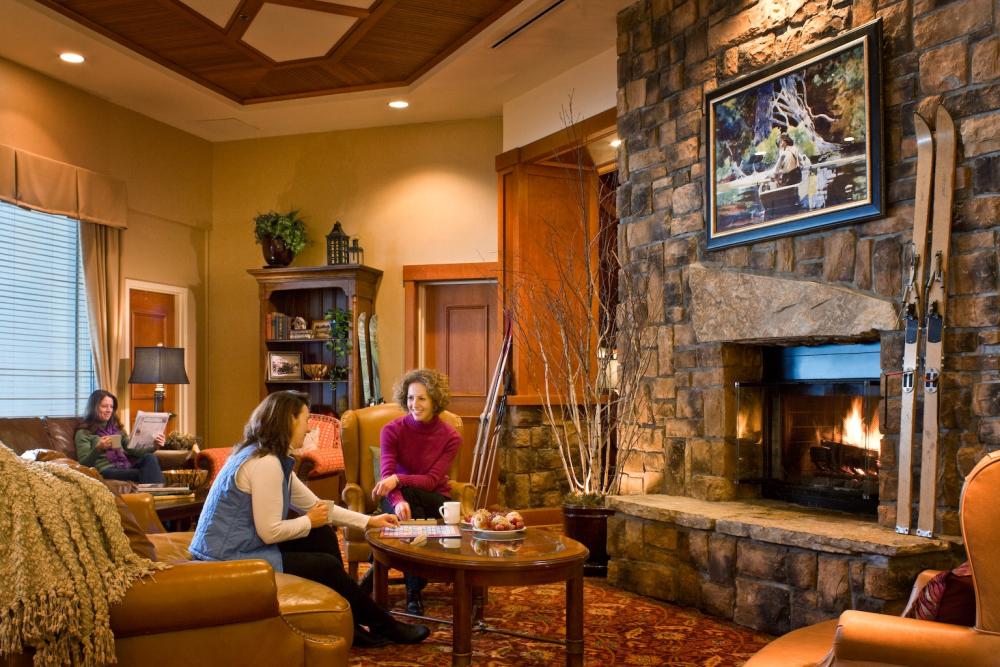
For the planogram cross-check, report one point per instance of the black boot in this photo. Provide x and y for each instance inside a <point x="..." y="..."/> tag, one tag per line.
<point x="405" y="633"/>
<point x="367" y="582"/>
<point x="368" y="638"/>
<point x="414" y="602"/>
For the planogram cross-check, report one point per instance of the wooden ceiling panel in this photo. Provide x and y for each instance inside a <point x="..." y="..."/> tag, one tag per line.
<point x="392" y="44"/>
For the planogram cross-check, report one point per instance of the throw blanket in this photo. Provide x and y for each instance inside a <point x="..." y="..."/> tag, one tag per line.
<point x="64" y="560"/>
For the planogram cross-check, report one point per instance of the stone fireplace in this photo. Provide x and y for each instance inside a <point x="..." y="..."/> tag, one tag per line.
<point x="694" y="523"/>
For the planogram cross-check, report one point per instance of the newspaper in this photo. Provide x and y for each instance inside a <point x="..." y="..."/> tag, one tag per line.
<point x="147" y="426"/>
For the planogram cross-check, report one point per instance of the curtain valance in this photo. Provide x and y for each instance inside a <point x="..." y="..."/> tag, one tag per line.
<point x="50" y="186"/>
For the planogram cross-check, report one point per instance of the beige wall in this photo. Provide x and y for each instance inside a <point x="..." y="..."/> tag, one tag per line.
<point x="414" y="194"/>
<point x="167" y="172"/>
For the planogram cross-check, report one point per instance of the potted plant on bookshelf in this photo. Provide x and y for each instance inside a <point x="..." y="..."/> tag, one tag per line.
<point x="281" y="235"/>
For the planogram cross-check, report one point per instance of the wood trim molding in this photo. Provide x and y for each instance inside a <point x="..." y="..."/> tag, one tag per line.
<point x="413" y="274"/>
<point x="574" y="136"/>
<point x="462" y="271"/>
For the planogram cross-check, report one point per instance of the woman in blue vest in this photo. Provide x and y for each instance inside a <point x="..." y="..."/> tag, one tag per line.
<point x="244" y="517"/>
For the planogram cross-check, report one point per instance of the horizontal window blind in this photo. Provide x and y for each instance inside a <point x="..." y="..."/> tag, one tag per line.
<point x="46" y="364"/>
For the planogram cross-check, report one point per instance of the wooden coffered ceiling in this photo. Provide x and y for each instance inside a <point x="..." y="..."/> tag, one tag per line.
<point x="255" y="51"/>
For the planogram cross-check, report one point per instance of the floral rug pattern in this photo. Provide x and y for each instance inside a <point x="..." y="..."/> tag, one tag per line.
<point x="620" y="628"/>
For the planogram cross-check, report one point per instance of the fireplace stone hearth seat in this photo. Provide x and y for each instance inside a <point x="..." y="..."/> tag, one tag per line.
<point x="765" y="564"/>
<point x="860" y="638"/>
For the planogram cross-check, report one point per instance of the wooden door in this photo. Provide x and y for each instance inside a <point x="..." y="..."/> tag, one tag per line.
<point x="152" y="321"/>
<point x="461" y="339"/>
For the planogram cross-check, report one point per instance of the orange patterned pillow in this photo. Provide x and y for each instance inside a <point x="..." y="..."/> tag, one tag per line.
<point x="212" y="459"/>
<point x="328" y="456"/>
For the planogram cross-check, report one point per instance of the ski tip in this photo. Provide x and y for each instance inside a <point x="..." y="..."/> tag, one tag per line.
<point x="943" y="119"/>
<point x="921" y="124"/>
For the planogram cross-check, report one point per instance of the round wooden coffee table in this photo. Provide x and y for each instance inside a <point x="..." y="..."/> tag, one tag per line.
<point x="472" y="565"/>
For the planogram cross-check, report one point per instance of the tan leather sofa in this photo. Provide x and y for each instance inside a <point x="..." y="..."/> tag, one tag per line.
<point x="860" y="638"/>
<point x="222" y="613"/>
<point x="360" y="431"/>
<point x="23" y="434"/>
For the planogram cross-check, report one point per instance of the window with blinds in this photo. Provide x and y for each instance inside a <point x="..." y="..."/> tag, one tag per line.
<point x="46" y="365"/>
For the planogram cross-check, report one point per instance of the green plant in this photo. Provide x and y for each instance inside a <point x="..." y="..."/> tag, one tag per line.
<point x="178" y="440"/>
<point x="340" y="331"/>
<point x="290" y="229"/>
<point x="584" y="499"/>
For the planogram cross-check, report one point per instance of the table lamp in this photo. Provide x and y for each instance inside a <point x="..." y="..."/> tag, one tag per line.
<point x="158" y="365"/>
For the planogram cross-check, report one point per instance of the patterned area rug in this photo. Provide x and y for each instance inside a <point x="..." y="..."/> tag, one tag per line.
<point x="620" y="628"/>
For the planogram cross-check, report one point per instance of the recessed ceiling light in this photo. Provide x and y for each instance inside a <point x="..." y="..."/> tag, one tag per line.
<point x="399" y="104"/>
<point x="70" y="57"/>
<point x="615" y="143"/>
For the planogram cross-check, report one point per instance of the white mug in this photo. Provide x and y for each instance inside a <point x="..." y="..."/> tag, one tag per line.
<point x="450" y="512"/>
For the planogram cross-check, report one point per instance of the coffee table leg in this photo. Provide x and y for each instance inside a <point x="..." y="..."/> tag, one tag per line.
<point x="461" y="638"/>
<point x="380" y="584"/>
<point x="574" y="620"/>
<point x="478" y="603"/>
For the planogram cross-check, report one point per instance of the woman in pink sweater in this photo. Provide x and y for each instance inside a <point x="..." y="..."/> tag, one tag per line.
<point x="417" y="452"/>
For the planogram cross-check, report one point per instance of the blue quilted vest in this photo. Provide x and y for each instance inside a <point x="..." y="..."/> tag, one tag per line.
<point x="226" y="530"/>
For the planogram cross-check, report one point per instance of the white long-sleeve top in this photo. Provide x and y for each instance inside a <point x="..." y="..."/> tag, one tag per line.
<point x="263" y="479"/>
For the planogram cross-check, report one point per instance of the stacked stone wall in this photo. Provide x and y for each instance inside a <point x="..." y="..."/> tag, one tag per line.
<point x="671" y="52"/>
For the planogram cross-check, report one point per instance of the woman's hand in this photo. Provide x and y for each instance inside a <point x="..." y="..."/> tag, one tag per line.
<point x="383" y="487"/>
<point x="402" y="510"/>
<point x="104" y="443"/>
<point x="383" y="520"/>
<point x="318" y="514"/>
<point x="159" y="440"/>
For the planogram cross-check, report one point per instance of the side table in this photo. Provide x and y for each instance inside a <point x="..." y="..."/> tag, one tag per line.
<point x="180" y="515"/>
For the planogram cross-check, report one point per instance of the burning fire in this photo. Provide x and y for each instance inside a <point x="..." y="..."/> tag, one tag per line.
<point x="853" y="429"/>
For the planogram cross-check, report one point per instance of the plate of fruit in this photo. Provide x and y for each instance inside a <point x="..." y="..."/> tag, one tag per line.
<point x="497" y="525"/>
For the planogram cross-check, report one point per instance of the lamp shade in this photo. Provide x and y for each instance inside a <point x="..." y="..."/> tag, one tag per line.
<point x="159" y="365"/>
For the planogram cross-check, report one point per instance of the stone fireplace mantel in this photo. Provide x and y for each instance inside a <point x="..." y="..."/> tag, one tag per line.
<point x="734" y="306"/>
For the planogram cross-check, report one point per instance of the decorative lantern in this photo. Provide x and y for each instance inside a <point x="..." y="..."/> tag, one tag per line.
<point x="337" y="250"/>
<point x="357" y="253"/>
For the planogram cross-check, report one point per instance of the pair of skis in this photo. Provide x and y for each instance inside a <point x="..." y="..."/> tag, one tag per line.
<point x="371" y="386"/>
<point x="484" y="452"/>
<point x="924" y="308"/>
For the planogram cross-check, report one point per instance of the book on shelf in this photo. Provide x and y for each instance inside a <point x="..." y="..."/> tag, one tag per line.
<point x="300" y="334"/>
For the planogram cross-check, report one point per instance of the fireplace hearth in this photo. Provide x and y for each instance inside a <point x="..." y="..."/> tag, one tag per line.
<point x="808" y="433"/>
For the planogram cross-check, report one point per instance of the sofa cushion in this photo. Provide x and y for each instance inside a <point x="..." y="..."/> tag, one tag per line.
<point x="62" y="434"/>
<point x="24" y="433"/>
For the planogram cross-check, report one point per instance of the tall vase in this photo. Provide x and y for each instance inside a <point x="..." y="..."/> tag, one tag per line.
<point x="589" y="527"/>
<point x="276" y="253"/>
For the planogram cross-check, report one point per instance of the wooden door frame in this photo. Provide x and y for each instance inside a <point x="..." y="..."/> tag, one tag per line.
<point x="185" y="395"/>
<point x="414" y="275"/>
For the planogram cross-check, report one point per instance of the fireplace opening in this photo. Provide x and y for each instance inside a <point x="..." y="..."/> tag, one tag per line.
<point x="808" y="432"/>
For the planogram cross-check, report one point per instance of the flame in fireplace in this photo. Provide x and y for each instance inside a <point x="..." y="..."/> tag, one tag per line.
<point x="853" y="429"/>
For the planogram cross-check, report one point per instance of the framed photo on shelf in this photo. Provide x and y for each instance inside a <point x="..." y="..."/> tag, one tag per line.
<point x="284" y="366"/>
<point x="797" y="145"/>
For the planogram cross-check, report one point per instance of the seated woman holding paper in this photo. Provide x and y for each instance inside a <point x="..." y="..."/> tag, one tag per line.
<point x="244" y="517"/>
<point x="417" y="450"/>
<point x="101" y="442"/>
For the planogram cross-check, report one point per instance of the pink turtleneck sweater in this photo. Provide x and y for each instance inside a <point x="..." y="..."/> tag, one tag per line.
<point x="418" y="454"/>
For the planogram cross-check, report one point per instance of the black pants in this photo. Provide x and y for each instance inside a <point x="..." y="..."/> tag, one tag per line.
<point x="423" y="505"/>
<point x="146" y="471"/>
<point x="317" y="557"/>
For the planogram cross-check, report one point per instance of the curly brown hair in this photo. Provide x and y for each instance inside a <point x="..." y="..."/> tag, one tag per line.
<point x="435" y="382"/>
<point x="270" y="423"/>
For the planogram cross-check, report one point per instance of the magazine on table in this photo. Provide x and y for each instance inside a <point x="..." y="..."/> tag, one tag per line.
<point x="147" y="426"/>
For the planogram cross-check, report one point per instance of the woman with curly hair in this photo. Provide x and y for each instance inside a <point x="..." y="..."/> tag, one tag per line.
<point x="417" y="452"/>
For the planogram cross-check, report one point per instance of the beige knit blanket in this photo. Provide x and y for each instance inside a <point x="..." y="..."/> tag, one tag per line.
<point x="64" y="560"/>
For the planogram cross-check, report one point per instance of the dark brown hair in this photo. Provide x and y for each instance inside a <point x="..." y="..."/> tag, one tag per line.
<point x="91" y="421"/>
<point x="270" y="423"/>
<point x="436" y="383"/>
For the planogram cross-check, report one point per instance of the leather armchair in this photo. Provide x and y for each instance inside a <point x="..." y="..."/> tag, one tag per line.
<point x="862" y="638"/>
<point x="360" y="431"/>
<point x="222" y="613"/>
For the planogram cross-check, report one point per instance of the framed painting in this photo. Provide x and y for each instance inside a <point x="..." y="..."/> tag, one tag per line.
<point x="284" y="366"/>
<point x="797" y="146"/>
